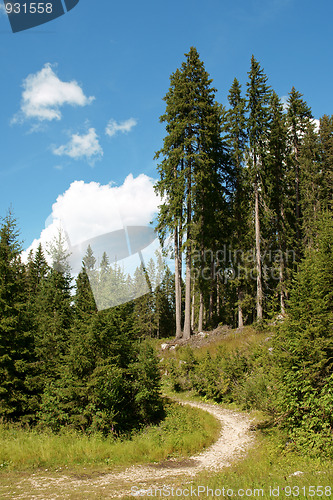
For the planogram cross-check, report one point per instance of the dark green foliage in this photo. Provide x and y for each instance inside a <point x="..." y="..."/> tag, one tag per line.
<point x="311" y="180"/>
<point x="316" y="176"/>
<point x="62" y="363"/>
<point x="154" y="312"/>
<point x="37" y="270"/>
<point x="192" y="171"/>
<point x="145" y="307"/>
<point x="298" y="115"/>
<point x="53" y="317"/>
<point x="16" y="341"/>
<point x="258" y="100"/>
<point x="278" y="216"/>
<point x="165" y="305"/>
<point x="326" y="157"/>
<point x="239" y="376"/>
<point x="145" y="371"/>
<point x="109" y="382"/>
<point x="209" y="378"/>
<point x="305" y="346"/>
<point x="258" y="97"/>
<point x="84" y="301"/>
<point x="240" y="234"/>
<point x="298" y="118"/>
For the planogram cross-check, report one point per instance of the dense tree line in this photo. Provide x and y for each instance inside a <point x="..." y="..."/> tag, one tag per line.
<point x="247" y="197"/>
<point x="243" y="189"/>
<point x="63" y="362"/>
<point x="289" y="373"/>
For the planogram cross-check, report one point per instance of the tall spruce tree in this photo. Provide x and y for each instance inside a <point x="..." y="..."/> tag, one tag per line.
<point x="278" y="189"/>
<point x="326" y="160"/>
<point x="16" y="340"/>
<point x="311" y="179"/>
<point x="258" y="96"/>
<point x="172" y="185"/>
<point x="37" y="269"/>
<point x="65" y="398"/>
<point x="84" y="301"/>
<point x="190" y="152"/>
<point x="304" y="347"/>
<point x="54" y="311"/>
<point x="299" y="117"/>
<point x="145" y="317"/>
<point x="58" y="253"/>
<point x="165" y="304"/>
<point x="236" y="137"/>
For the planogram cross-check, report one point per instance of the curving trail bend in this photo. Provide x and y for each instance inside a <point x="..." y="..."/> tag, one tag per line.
<point x="234" y="440"/>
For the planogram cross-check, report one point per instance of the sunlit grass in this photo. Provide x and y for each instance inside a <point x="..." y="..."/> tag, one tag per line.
<point x="266" y="471"/>
<point x="270" y="465"/>
<point x="244" y="339"/>
<point x="184" y="431"/>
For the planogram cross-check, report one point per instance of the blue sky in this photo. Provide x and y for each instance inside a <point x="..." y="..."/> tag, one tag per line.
<point x="81" y="96"/>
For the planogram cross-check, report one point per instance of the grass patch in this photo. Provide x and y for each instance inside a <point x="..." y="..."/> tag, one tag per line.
<point x="267" y="471"/>
<point x="184" y="431"/>
<point x="271" y="465"/>
<point x="245" y="340"/>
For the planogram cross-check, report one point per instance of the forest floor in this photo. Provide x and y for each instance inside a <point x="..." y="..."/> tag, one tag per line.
<point x="222" y="335"/>
<point x="235" y="438"/>
<point x="201" y="339"/>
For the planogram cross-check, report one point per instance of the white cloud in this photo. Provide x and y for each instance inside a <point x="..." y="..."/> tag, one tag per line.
<point x="284" y="101"/>
<point x="44" y="94"/>
<point x="87" y="210"/>
<point x="316" y="124"/>
<point x="114" y="127"/>
<point x="84" y="146"/>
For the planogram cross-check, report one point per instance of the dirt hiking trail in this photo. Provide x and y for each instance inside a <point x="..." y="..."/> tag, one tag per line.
<point x="234" y="440"/>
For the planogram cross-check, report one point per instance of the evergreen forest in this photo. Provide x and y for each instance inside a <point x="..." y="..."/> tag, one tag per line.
<point x="246" y="217"/>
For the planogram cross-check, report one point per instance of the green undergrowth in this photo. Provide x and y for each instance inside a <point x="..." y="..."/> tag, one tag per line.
<point x="272" y="466"/>
<point x="184" y="431"/>
<point x="270" y="469"/>
<point x="235" y="367"/>
<point x="254" y="370"/>
<point x="231" y="339"/>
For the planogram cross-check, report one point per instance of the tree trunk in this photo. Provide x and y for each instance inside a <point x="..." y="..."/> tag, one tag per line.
<point x="187" y="319"/>
<point x="282" y="296"/>
<point x="180" y="270"/>
<point x="177" y="288"/>
<point x="187" y="322"/>
<point x="281" y="217"/>
<point x="240" y="310"/>
<point x="258" y="250"/>
<point x="211" y="295"/>
<point x="201" y="308"/>
<point x="193" y="307"/>
<point x="298" y="236"/>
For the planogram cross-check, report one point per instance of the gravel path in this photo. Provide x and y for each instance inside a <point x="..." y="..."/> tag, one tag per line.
<point x="234" y="440"/>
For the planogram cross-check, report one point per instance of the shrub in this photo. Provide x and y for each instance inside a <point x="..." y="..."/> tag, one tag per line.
<point x="304" y="348"/>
